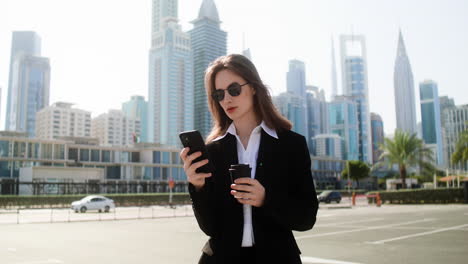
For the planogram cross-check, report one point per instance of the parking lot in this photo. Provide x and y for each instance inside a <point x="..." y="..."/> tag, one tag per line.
<point x="389" y="234"/>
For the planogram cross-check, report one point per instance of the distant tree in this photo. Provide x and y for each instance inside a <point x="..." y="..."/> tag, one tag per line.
<point x="405" y="150"/>
<point x="359" y="170"/>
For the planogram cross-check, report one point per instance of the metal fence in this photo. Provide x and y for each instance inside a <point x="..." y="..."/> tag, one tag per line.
<point x="61" y="215"/>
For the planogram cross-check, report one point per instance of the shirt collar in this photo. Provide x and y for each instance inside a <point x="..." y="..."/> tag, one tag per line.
<point x="232" y="130"/>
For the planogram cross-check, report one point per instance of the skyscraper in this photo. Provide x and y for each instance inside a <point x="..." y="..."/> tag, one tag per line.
<point x="430" y="118"/>
<point x="296" y="85"/>
<point x="208" y="43"/>
<point x="137" y="108"/>
<point x="377" y="136"/>
<point x="354" y="75"/>
<point x="170" y="100"/>
<point x="333" y="72"/>
<point x="292" y="107"/>
<point x="22" y="43"/>
<point x="456" y="121"/>
<point x="317" y="114"/>
<point x="344" y="123"/>
<point x="29" y="92"/>
<point x="329" y="145"/>
<point x="404" y="90"/>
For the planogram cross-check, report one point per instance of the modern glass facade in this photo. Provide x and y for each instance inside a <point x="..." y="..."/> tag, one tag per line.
<point x="430" y="118"/>
<point x="404" y="90"/>
<point x="171" y="94"/>
<point x="377" y="136"/>
<point x="137" y="108"/>
<point x="292" y="107"/>
<point x="119" y="163"/>
<point x="29" y="93"/>
<point x="344" y="122"/>
<point x="354" y="72"/>
<point x="22" y="43"/>
<point x="296" y="85"/>
<point x="208" y="43"/>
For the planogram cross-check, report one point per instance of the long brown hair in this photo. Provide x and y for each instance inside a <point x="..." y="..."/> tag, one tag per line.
<point x="263" y="105"/>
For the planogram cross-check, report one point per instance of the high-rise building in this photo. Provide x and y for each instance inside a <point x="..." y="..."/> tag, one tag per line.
<point x="171" y="94"/>
<point x="115" y="129"/>
<point x="354" y="77"/>
<point x="292" y="107"/>
<point x="296" y="81"/>
<point x="377" y="136"/>
<point x="208" y="43"/>
<point x="404" y="90"/>
<point x="296" y="85"/>
<point x="137" y="108"/>
<point x="333" y="72"/>
<point x="430" y="119"/>
<point x="456" y="121"/>
<point x="317" y="114"/>
<point x="26" y="43"/>
<point x="61" y="120"/>
<point x="344" y="123"/>
<point x="446" y="104"/>
<point x="329" y="145"/>
<point x="29" y="92"/>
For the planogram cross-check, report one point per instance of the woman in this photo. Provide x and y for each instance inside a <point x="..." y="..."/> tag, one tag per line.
<point x="250" y="220"/>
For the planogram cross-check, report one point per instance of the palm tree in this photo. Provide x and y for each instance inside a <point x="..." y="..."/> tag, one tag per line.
<point x="461" y="149"/>
<point x="405" y="150"/>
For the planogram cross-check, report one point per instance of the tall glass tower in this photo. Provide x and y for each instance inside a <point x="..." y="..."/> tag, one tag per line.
<point x="354" y="71"/>
<point x="208" y="43"/>
<point x="430" y="116"/>
<point x="170" y="91"/>
<point x="29" y="94"/>
<point x="296" y="85"/>
<point x="22" y="43"/>
<point x="377" y="136"/>
<point x="344" y="122"/>
<point x="404" y="90"/>
<point x="137" y="108"/>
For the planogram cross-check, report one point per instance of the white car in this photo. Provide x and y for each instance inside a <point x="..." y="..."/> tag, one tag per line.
<point x="93" y="202"/>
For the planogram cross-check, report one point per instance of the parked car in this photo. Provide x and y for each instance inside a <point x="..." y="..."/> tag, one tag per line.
<point x="93" y="202"/>
<point x="329" y="196"/>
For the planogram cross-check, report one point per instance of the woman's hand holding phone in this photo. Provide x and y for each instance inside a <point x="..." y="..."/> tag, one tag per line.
<point x="196" y="179"/>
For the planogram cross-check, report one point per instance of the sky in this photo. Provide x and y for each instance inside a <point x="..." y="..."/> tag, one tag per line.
<point x="98" y="50"/>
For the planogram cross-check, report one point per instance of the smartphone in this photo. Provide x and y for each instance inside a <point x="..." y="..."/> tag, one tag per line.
<point x="193" y="140"/>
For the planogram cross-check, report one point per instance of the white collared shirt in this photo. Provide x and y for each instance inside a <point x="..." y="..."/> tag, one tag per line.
<point x="249" y="156"/>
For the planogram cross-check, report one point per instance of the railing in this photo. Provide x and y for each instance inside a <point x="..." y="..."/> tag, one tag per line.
<point x="61" y="215"/>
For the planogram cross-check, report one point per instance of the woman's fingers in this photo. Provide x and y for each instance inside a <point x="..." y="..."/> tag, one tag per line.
<point x="248" y="191"/>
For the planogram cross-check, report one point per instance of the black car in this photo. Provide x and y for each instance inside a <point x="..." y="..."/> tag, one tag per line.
<point x="329" y="196"/>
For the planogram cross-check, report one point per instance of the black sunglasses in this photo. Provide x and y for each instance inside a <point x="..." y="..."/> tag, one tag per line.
<point x="234" y="89"/>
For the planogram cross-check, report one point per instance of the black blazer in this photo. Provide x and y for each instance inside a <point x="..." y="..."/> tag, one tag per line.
<point x="283" y="168"/>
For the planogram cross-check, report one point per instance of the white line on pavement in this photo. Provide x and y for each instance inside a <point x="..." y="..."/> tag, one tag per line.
<point x="324" y="261"/>
<point x="49" y="261"/>
<point x="418" y="234"/>
<point x="364" y="229"/>
<point x="352" y="222"/>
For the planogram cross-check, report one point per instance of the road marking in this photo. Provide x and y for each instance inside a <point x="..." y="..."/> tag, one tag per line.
<point x="324" y="261"/>
<point x="364" y="229"/>
<point x="49" y="261"/>
<point x="352" y="222"/>
<point x="418" y="234"/>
